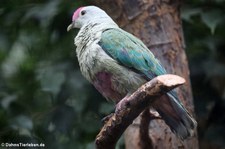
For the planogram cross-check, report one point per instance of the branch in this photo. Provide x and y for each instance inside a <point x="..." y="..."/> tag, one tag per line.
<point x="131" y="106"/>
<point x="145" y="141"/>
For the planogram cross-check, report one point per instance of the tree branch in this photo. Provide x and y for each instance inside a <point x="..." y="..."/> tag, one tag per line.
<point x="131" y="106"/>
<point x="146" y="117"/>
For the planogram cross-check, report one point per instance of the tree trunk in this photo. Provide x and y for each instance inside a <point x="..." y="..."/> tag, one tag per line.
<point x="158" y="24"/>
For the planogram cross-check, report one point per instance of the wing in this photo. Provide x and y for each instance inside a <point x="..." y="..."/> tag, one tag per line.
<point x="130" y="52"/>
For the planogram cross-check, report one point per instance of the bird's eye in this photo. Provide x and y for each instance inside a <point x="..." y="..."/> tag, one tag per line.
<point x="83" y="12"/>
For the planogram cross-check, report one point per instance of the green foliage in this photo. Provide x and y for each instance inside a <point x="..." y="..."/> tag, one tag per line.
<point x="205" y="34"/>
<point x="43" y="97"/>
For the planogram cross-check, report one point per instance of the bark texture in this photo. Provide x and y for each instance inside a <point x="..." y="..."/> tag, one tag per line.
<point x="157" y="23"/>
<point x="131" y="106"/>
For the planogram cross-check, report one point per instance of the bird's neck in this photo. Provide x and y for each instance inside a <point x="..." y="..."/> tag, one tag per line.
<point x="86" y="50"/>
<point x="91" y="32"/>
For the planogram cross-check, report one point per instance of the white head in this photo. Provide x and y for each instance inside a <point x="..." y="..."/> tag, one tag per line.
<point x="89" y="14"/>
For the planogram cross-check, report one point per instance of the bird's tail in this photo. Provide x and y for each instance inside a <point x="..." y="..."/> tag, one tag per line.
<point x="175" y="115"/>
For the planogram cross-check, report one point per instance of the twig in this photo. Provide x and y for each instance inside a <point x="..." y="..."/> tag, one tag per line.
<point x="145" y="140"/>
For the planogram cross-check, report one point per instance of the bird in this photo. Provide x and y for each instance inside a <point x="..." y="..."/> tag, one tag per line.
<point x="117" y="63"/>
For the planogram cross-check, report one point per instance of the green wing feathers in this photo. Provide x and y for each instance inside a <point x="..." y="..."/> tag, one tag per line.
<point x="130" y="52"/>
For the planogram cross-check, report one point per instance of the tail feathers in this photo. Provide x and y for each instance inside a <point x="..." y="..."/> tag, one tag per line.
<point x="175" y="115"/>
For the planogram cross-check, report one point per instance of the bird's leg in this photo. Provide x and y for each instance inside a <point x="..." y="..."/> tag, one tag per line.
<point x="118" y="107"/>
<point x="106" y="118"/>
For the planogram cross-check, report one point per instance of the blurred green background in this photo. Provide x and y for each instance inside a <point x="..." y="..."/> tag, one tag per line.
<point x="44" y="98"/>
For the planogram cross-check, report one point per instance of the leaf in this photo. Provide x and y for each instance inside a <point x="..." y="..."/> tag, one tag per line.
<point x="51" y="78"/>
<point x="6" y="101"/>
<point x="187" y="13"/>
<point x="212" y="19"/>
<point x="15" y="58"/>
<point x="43" y="12"/>
<point x="23" y="124"/>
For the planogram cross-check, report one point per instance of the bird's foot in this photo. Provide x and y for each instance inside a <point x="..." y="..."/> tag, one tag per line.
<point x="106" y="118"/>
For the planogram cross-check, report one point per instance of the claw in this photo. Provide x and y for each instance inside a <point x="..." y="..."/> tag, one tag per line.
<point x="106" y="118"/>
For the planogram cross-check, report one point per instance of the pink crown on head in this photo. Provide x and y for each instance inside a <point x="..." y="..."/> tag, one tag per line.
<point x="76" y="13"/>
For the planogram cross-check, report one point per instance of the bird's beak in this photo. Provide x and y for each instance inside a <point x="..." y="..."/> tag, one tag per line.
<point x="71" y="26"/>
